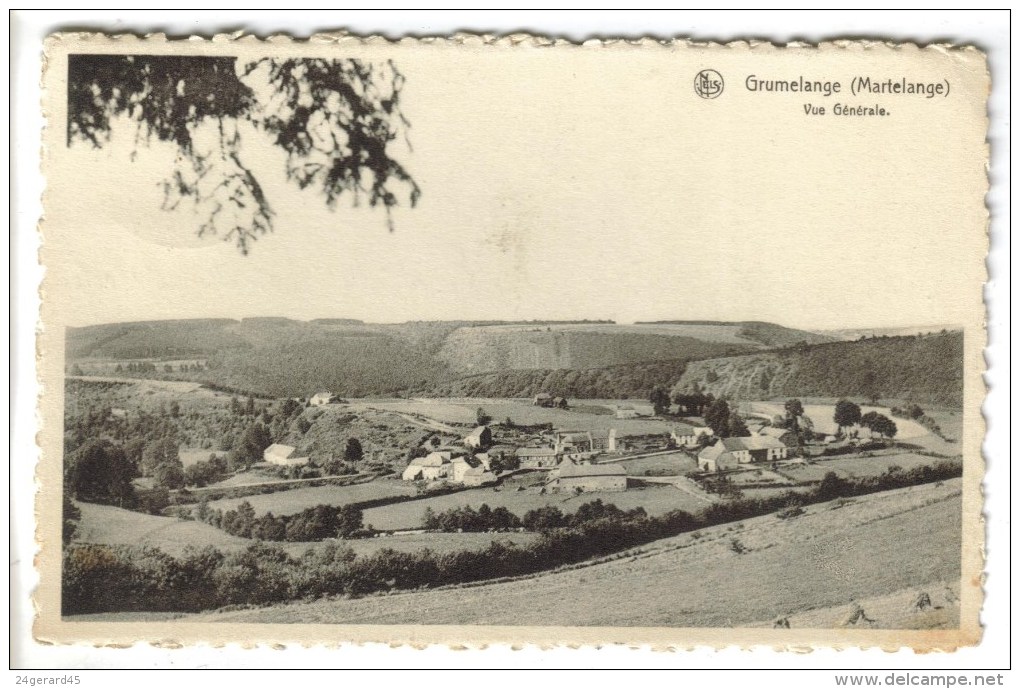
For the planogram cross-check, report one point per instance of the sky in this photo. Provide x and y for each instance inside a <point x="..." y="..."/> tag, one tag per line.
<point x="559" y="186"/>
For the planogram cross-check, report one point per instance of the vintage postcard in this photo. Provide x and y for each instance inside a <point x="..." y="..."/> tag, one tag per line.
<point x="478" y="340"/>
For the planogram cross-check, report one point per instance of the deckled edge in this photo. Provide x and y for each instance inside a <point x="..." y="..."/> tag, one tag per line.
<point x="517" y="40"/>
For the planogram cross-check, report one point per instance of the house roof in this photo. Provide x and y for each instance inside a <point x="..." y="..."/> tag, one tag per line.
<point x="754" y="442"/>
<point x="602" y="433"/>
<point x="774" y="432"/>
<point x="477" y="433"/>
<point x="684" y="429"/>
<point x="543" y="396"/>
<point x="535" y="452"/>
<point x="576" y="437"/>
<point x="433" y="459"/>
<point x="712" y="451"/>
<point x="579" y="470"/>
<point x="279" y="450"/>
<point x="322" y="394"/>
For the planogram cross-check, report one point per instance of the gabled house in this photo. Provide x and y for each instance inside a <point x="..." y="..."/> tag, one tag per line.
<point x="536" y="457"/>
<point x="321" y="398"/>
<point x="728" y="453"/>
<point x="479" y="438"/>
<point x="626" y="411"/>
<point x="283" y="455"/>
<point x="590" y="477"/>
<point x="685" y="435"/>
<point x="478" y="476"/>
<point x="543" y="399"/>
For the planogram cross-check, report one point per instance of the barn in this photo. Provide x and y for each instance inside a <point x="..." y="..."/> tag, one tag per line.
<point x="727" y="453"/>
<point x="685" y="435"/>
<point x="626" y="411"/>
<point x="717" y="458"/>
<point x="585" y="478"/>
<point x="434" y="466"/>
<point x="536" y="457"/>
<point x="320" y="398"/>
<point x="479" y="438"/>
<point x="478" y="476"/>
<point x="283" y="455"/>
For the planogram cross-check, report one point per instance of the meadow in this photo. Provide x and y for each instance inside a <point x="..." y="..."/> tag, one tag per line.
<point x="905" y="540"/>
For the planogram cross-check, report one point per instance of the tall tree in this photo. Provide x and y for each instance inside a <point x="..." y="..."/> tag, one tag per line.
<point x="717" y="416"/>
<point x="660" y="400"/>
<point x="794" y="410"/>
<point x="335" y="120"/>
<point x="353" y="451"/>
<point x="846" y="414"/>
<point x="99" y="471"/>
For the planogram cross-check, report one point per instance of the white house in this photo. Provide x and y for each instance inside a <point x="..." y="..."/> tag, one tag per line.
<point x="478" y="438"/>
<point x="537" y="457"/>
<point x="321" y="398"/>
<point x="283" y="455"/>
<point x="478" y="476"/>
<point x="432" y="467"/>
<point x="727" y="453"/>
<point x="626" y="411"/>
<point x="685" y="435"/>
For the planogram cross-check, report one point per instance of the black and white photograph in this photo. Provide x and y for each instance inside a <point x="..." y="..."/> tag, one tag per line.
<point x="513" y="339"/>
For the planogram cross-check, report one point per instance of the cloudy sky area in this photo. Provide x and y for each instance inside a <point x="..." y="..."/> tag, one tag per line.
<point x="597" y="186"/>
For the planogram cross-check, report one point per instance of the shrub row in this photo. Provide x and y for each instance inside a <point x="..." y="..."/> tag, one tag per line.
<point x="98" y="578"/>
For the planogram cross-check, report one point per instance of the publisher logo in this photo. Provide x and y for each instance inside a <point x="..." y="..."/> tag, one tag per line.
<point x="708" y="83"/>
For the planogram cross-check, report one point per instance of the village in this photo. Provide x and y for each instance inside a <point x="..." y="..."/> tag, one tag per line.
<point x="572" y="461"/>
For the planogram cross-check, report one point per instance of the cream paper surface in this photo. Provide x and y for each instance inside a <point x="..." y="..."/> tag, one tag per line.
<point x="632" y="181"/>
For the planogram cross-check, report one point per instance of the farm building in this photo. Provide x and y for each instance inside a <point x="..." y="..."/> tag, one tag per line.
<point x="726" y="453"/>
<point x="590" y="477"/>
<point x="685" y="435"/>
<point x="432" y="467"/>
<point x="626" y="411"/>
<point x="543" y="399"/>
<point x="320" y="398"/>
<point x="438" y="466"/>
<point x="283" y="455"/>
<point x="479" y="438"/>
<point x="560" y="402"/>
<point x="605" y="440"/>
<point x="716" y="458"/>
<point x="572" y="441"/>
<point x="783" y="435"/>
<point x="536" y="457"/>
<point x="478" y="476"/>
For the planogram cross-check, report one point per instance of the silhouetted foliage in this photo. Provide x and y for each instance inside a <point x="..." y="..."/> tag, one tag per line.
<point x="334" y="119"/>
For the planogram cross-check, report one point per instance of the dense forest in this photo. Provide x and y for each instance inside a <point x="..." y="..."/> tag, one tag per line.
<point x="279" y="357"/>
<point x="927" y="369"/>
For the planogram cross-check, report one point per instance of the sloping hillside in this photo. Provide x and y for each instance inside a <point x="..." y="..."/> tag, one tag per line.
<point x="926" y="369"/>
<point x="613" y="382"/>
<point x="836" y="552"/>
<point x="478" y="350"/>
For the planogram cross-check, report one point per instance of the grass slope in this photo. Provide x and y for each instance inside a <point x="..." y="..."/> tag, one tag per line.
<point x="903" y="540"/>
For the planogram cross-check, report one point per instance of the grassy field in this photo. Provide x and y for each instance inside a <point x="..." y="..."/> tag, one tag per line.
<point x="821" y="416"/>
<point x="297" y="499"/>
<point x="409" y="515"/>
<point x="463" y="410"/>
<point x="873" y="466"/>
<point x="673" y="464"/>
<point x="113" y="526"/>
<point x="878" y="545"/>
